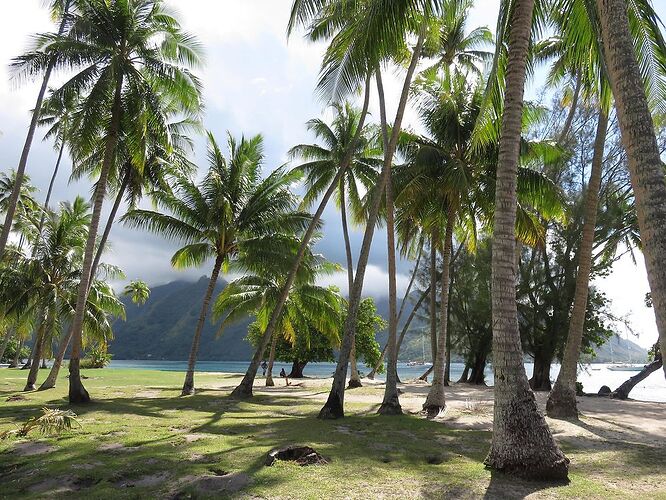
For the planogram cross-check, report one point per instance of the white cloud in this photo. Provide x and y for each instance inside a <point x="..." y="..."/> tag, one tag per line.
<point x="374" y="284"/>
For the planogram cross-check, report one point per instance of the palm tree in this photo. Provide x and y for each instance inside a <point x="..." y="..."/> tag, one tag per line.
<point x="638" y="137"/>
<point x="308" y="305"/>
<point x="321" y="165"/>
<point x="127" y="53"/>
<point x="228" y="215"/>
<point x="455" y="50"/>
<point x="522" y="443"/>
<point x="138" y="291"/>
<point x="60" y="10"/>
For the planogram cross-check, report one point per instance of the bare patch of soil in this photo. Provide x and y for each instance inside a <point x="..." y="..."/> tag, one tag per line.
<point x="31" y="448"/>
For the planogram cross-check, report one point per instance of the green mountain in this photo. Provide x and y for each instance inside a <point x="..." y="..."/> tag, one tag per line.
<point x="163" y="327"/>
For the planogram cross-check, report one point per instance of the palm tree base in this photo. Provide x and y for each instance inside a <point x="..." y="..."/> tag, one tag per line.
<point x="391" y="408"/>
<point x="433" y="410"/>
<point x="47" y="384"/>
<point x="354" y="383"/>
<point x="562" y="404"/>
<point x="269" y="382"/>
<point x="333" y="408"/>
<point x="242" y="391"/>
<point x="29" y="387"/>
<point x="522" y="444"/>
<point x="78" y="393"/>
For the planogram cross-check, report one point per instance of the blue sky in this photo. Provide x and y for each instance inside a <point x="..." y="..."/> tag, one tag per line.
<point x="256" y="81"/>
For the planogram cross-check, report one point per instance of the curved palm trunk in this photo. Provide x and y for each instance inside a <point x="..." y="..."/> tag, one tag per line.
<point x="37" y="354"/>
<point x="562" y="399"/>
<point x="20" y="170"/>
<point x="50" y="190"/>
<point x="435" y="403"/>
<point x="334" y="406"/>
<point x="51" y="379"/>
<point x="638" y="136"/>
<point x="522" y="443"/>
<point x="109" y="224"/>
<point x="78" y="393"/>
<point x="433" y="296"/>
<point x="271" y="361"/>
<point x="244" y="389"/>
<point x="188" y="385"/>
<point x="355" y="378"/>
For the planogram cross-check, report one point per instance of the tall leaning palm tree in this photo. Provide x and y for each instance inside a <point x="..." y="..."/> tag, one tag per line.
<point x="522" y="443"/>
<point x="125" y="51"/>
<point x="639" y="139"/>
<point x="225" y="217"/>
<point x="322" y="162"/>
<point x="60" y="11"/>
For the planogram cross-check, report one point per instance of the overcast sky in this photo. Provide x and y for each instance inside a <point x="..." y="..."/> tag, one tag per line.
<point x="255" y="82"/>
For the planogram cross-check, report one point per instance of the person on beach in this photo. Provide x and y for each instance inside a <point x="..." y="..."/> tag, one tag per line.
<point x="283" y="374"/>
<point x="264" y="366"/>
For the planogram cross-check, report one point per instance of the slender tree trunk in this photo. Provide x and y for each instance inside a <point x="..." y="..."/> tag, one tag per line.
<point x="17" y="355"/>
<point x="355" y="378"/>
<point x="447" y="362"/>
<point x="52" y="378"/>
<point x="37" y="355"/>
<point x="109" y="224"/>
<point x="20" y="170"/>
<point x="405" y="327"/>
<point x="433" y="295"/>
<point x="638" y="136"/>
<point x="244" y="389"/>
<point x="465" y="375"/>
<point x="5" y="342"/>
<point x="427" y="373"/>
<point x="411" y="316"/>
<point x="78" y="393"/>
<point x="435" y="402"/>
<point x="271" y="360"/>
<point x="188" y="385"/>
<point x="562" y="400"/>
<point x="334" y="406"/>
<point x="522" y="443"/>
<point x="391" y="403"/>
<point x="417" y="263"/>
<point x="50" y="190"/>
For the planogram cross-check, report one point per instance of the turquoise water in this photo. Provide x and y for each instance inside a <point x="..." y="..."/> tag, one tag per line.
<point x="592" y="376"/>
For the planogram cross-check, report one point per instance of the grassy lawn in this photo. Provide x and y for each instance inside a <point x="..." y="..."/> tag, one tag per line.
<point x="138" y="439"/>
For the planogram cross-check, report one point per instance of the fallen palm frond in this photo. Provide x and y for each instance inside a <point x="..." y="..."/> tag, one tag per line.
<point x="51" y="421"/>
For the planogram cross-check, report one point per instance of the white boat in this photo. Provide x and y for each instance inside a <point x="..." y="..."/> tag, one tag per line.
<point x="625" y="368"/>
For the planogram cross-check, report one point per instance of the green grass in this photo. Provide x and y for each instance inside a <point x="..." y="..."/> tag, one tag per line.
<point x="138" y="439"/>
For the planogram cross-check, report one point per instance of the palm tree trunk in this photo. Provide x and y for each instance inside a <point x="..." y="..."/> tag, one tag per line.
<point x="391" y="403"/>
<point x="522" y="443"/>
<point x="109" y="224"/>
<point x="403" y="332"/>
<point x="435" y="403"/>
<point x="20" y="170"/>
<point x="355" y="378"/>
<point x="562" y="399"/>
<point x="244" y="389"/>
<point x="28" y="362"/>
<point x="433" y="296"/>
<point x="37" y="355"/>
<point x="638" y="136"/>
<point x="188" y="385"/>
<point x="78" y="393"/>
<point x="5" y="342"/>
<point x="50" y="190"/>
<point x="415" y="271"/>
<point x="50" y="381"/>
<point x="271" y="361"/>
<point x="334" y="406"/>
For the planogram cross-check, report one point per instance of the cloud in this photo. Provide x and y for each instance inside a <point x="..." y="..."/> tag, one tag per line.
<point x="374" y="284"/>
